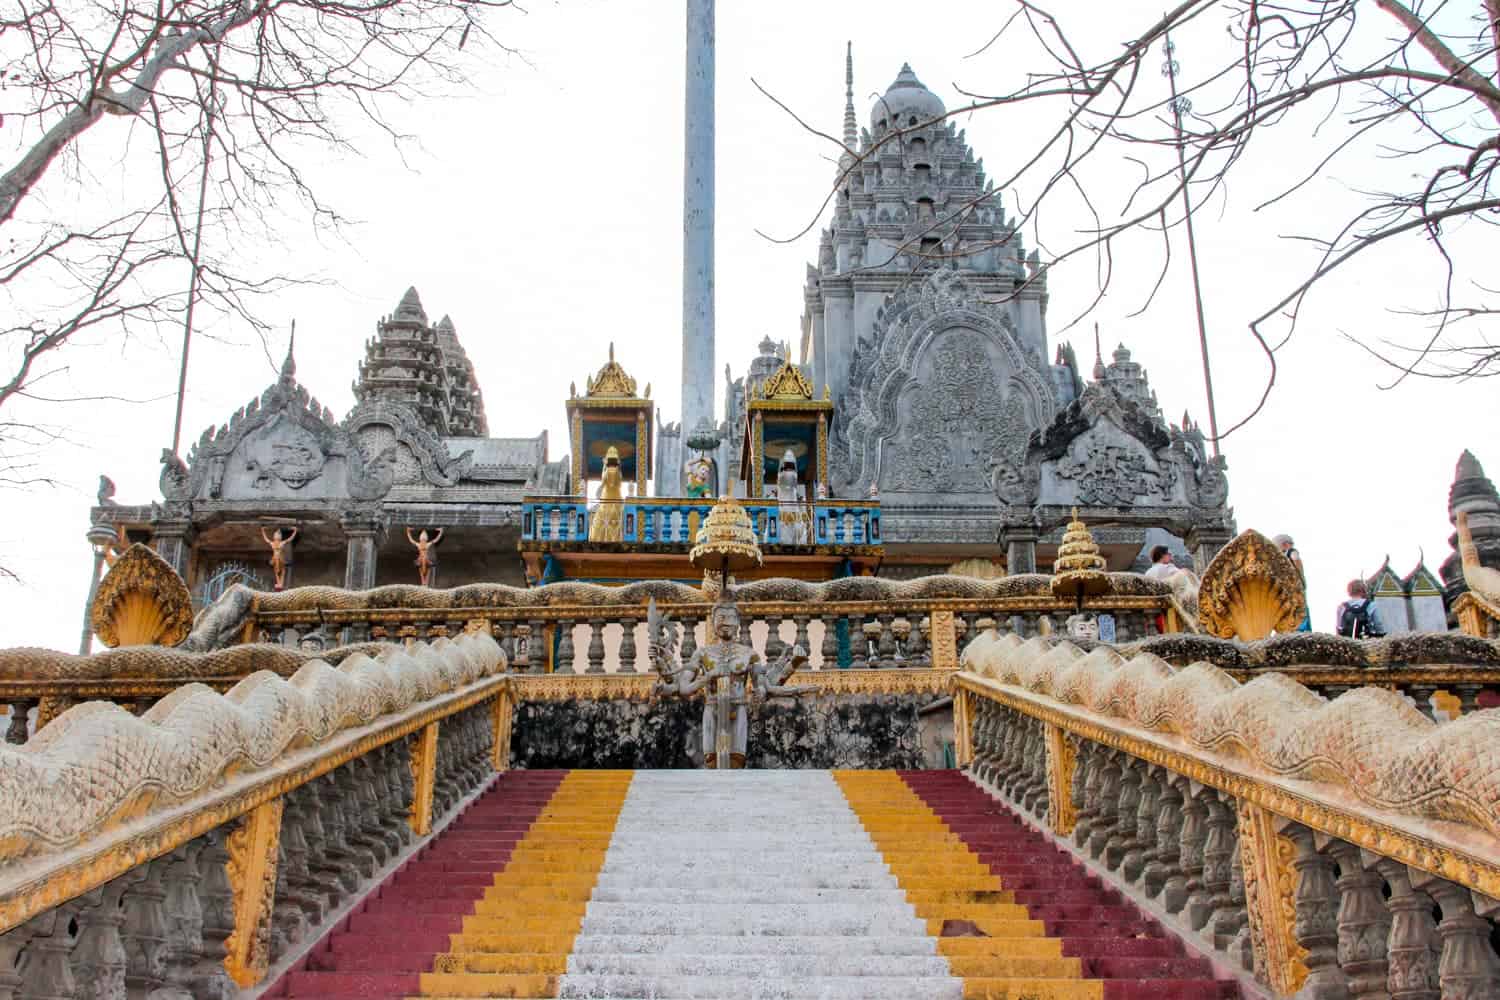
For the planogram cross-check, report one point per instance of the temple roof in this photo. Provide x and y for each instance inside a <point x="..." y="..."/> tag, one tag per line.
<point x="906" y="97"/>
<point x="425" y="368"/>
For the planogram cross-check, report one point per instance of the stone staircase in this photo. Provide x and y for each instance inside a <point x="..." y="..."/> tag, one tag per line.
<point x="757" y="884"/>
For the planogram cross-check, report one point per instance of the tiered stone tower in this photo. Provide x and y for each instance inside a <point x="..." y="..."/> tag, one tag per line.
<point x="916" y="200"/>
<point x="1473" y="493"/>
<point x="425" y="368"/>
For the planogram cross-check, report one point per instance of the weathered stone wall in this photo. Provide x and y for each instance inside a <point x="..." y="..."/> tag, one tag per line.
<point x="853" y="731"/>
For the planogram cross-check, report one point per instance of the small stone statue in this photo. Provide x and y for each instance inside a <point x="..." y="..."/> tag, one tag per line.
<point x="280" y="560"/>
<point x="731" y="673"/>
<point x="426" y="560"/>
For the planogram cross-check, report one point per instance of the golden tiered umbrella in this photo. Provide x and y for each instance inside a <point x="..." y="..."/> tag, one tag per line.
<point x="1079" y="569"/>
<point x="726" y="542"/>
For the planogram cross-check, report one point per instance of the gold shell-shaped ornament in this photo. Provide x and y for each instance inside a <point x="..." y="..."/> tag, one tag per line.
<point x="142" y="602"/>
<point x="1250" y="590"/>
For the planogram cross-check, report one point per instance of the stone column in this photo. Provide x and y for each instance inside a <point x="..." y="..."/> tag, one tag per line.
<point x="1204" y="543"/>
<point x="698" y="219"/>
<point x="100" y="537"/>
<point x="172" y="539"/>
<point x="363" y="538"/>
<point x="1020" y="548"/>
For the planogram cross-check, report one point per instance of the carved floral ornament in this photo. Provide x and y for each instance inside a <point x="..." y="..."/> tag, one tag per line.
<point x="142" y="602"/>
<point x="1250" y="590"/>
<point x="788" y="382"/>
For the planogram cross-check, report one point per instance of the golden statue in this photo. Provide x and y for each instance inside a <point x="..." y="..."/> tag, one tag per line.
<point x="279" y="561"/>
<point x="426" y="562"/>
<point x="608" y="521"/>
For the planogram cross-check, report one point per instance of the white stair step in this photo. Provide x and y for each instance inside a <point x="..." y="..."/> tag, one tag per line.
<point x="753" y="944"/>
<point x="765" y="988"/>
<point x="764" y="894"/>
<point x="807" y="964"/>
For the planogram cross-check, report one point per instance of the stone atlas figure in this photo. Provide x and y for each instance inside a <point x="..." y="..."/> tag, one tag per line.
<point x="426" y="561"/>
<point x="729" y="674"/>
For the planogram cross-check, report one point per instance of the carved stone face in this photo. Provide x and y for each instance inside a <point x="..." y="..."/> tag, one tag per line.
<point x="726" y="623"/>
<point x="1083" y="627"/>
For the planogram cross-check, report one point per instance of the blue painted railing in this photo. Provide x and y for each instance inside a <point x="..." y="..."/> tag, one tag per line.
<point x="666" y="521"/>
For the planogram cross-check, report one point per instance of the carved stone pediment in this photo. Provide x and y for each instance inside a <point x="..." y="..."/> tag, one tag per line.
<point x="1105" y="451"/>
<point x="391" y="435"/>
<point x="939" y="397"/>
<point x="283" y="445"/>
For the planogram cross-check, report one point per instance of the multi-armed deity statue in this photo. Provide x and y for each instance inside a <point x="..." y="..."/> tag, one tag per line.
<point x="729" y="673"/>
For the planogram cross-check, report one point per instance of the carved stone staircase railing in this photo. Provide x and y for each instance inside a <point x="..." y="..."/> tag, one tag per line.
<point x="1344" y="849"/>
<point x="180" y="853"/>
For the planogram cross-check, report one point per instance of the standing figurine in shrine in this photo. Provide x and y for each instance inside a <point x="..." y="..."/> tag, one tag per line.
<point x="426" y="558"/>
<point x="280" y="554"/>
<point x="607" y="523"/>
<point x="791" y="511"/>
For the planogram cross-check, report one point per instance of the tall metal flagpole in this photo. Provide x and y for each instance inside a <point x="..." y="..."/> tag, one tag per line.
<point x="1181" y="106"/>
<point x="698" y="220"/>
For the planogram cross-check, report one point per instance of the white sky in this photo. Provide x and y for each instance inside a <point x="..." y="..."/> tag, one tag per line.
<point x="543" y="212"/>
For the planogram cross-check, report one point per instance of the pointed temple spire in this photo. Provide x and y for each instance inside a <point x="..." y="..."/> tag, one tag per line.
<point x="851" y="123"/>
<point x="289" y="366"/>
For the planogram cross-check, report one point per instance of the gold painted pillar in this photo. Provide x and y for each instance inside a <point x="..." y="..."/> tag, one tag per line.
<point x="424" y="747"/>
<point x="756" y="486"/>
<point x="642" y="448"/>
<point x="943" y="641"/>
<point x="253" y="846"/>
<point x="502" y="712"/>
<point x="1062" y="760"/>
<point x="963" y="732"/>
<point x="820" y="473"/>
<point x="575" y="435"/>
<point x="1271" y="898"/>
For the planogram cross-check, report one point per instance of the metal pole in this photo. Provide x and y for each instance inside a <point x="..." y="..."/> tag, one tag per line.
<point x="698" y="221"/>
<point x="1180" y="106"/>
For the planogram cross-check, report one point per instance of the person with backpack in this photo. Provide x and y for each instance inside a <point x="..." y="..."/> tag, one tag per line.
<point x="1357" y="617"/>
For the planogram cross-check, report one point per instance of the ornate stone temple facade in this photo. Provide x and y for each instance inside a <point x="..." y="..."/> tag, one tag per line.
<point x="925" y="322"/>
<point x="412" y="453"/>
<point x="921" y="421"/>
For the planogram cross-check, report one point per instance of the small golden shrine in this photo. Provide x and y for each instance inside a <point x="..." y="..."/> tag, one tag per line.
<point x="783" y="416"/>
<point x="608" y="415"/>
<point x="1079" y="571"/>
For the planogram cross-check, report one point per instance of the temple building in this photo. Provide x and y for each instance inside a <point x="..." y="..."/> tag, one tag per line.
<point x="920" y="420"/>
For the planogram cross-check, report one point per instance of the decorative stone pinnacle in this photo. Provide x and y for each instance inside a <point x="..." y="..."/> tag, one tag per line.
<point x="1079" y="568"/>
<point x="612" y="380"/>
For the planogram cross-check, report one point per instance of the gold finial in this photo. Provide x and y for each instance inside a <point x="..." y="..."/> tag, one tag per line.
<point x="726" y="541"/>
<point x="787" y="383"/>
<point x="1079" y="568"/>
<point x="612" y="380"/>
<point x="827" y="392"/>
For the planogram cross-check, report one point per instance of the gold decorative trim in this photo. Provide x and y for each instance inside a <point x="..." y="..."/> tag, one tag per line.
<point x="637" y="687"/>
<point x="502" y="716"/>
<point x="963" y="732"/>
<point x="1424" y="844"/>
<point x="253" y="845"/>
<point x="424" y="746"/>
<point x="943" y="640"/>
<point x="787" y="382"/>
<point x="1062" y="759"/>
<point x="32" y="886"/>
<point x="1270" y="898"/>
<point x="142" y="602"/>
<point x="612" y="382"/>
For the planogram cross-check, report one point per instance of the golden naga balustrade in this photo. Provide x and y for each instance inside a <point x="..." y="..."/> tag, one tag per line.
<point x="1305" y="780"/>
<point x="101" y="792"/>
